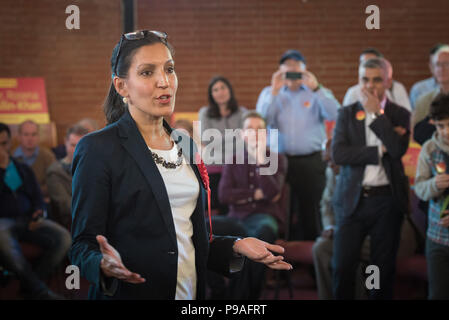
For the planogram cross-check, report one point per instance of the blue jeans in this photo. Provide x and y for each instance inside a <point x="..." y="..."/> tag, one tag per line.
<point x="437" y="256"/>
<point x="51" y="237"/>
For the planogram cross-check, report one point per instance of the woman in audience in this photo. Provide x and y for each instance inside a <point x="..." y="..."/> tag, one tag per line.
<point x="223" y="112"/>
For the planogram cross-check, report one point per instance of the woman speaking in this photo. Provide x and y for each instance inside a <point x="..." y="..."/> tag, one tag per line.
<point x="139" y="198"/>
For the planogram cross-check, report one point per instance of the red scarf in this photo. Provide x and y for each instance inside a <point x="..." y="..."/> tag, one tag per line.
<point x="205" y="178"/>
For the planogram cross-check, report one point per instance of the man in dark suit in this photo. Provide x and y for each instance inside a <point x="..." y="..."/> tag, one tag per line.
<point x="371" y="194"/>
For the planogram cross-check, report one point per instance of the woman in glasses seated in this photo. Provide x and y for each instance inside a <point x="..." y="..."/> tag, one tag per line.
<point x="138" y="195"/>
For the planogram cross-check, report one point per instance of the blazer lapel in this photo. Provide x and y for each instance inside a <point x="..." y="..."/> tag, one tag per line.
<point x="360" y="124"/>
<point x="189" y="151"/>
<point x="134" y="143"/>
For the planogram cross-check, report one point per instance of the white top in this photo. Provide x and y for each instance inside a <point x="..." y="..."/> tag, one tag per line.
<point x="183" y="190"/>
<point x="397" y="94"/>
<point x="374" y="175"/>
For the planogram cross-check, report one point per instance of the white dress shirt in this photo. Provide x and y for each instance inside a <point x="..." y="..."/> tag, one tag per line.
<point x="374" y="175"/>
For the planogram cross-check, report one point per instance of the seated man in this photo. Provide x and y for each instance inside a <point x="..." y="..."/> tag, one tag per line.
<point x="21" y="208"/>
<point x="30" y="153"/>
<point x="88" y="123"/>
<point x="59" y="179"/>
<point x="251" y="197"/>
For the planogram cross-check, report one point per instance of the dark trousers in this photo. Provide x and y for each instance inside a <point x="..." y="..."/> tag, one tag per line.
<point x="51" y="237"/>
<point x="378" y="217"/>
<point x="307" y="179"/>
<point x="437" y="256"/>
<point x="248" y="283"/>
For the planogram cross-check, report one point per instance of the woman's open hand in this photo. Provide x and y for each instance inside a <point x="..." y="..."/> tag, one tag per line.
<point x="112" y="265"/>
<point x="261" y="251"/>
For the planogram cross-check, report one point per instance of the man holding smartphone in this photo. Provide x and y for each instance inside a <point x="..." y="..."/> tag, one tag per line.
<point x="297" y="105"/>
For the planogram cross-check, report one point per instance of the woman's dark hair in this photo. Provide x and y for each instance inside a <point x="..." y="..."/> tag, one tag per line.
<point x="4" y="127"/>
<point x="439" y="109"/>
<point x="113" y="106"/>
<point x="214" y="110"/>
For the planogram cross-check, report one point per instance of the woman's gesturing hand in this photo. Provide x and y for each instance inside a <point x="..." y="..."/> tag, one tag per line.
<point x="261" y="251"/>
<point x="112" y="265"/>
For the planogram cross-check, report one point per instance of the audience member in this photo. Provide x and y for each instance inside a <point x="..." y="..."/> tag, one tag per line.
<point x="21" y="210"/>
<point x="396" y="92"/>
<point x="323" y="247"/>
<point x="37" y="157"/>
<point x="223" y="112"/>
<point x="88" y="123"/>
<point x="420" y="116"/>
<point x="59" y="178"/>
<point x="432" y="184"/>
<point x="424" y="86"/>
<point x="253" y="202"/>
<point x="371" y="194"/>
<point x="297" y="105"/>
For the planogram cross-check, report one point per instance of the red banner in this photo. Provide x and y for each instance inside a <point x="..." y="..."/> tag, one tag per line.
<point x="22" y="99"/>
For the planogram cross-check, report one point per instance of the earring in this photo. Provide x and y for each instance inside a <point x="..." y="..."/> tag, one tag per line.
<point x="125" y="100"/>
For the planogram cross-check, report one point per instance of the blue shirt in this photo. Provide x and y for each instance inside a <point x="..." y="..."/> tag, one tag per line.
<point x="420" y="88"/>
<point x="299" y="117"/>
<point x="27" y="160"/>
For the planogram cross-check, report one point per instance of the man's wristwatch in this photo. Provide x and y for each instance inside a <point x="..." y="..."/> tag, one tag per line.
<point x="377" y="114"/>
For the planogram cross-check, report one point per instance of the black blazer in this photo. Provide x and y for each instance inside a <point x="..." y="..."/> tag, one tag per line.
<point x="118" y="192"/>
<point x="349" y="150"/>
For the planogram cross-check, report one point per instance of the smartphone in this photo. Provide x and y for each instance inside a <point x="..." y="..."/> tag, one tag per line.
<point x="293" y="75"/>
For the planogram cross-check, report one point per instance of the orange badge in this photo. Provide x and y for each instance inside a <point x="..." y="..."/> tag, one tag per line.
<point x="307" y="104"/>
<point x="360" y="115"/>
<point x="441" y="167"/>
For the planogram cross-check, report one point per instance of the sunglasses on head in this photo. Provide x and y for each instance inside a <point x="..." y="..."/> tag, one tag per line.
<point x="137" y="35"/>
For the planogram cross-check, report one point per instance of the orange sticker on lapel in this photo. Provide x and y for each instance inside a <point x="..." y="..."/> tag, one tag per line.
<point x="307" y="104"/>
<point x="441" y="167"/>
<point x="360" y="115"/>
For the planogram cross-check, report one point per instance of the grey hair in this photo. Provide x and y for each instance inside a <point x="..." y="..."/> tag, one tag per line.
<point x="375" y="63"/>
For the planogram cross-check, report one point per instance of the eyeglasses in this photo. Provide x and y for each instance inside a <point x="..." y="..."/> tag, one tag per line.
<point x="137" y="35"/>
<point x="442" y="65"/>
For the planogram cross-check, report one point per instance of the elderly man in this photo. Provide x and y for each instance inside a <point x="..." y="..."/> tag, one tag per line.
<point x="396" y="91"/>
<point x="371" y="194"/>
<point x="425" y="86"/>
<point x="440" y="66"/>
<point x="29" y="152"/>
<point x="423" y="130"/>
<point x="297" y="105"/>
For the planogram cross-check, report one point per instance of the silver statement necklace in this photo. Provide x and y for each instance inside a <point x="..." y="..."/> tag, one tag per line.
<point x="168" y="164"/>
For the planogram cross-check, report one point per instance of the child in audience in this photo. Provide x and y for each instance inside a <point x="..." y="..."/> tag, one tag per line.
<point x="432" y="183"/>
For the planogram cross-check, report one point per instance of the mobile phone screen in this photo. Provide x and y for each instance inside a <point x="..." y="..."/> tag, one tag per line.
<point x="293" y="75"/>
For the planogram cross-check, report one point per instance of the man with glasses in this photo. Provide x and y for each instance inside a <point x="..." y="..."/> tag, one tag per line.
<point x="440" y="64"/>
<point x="424" y="86"/>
